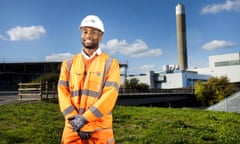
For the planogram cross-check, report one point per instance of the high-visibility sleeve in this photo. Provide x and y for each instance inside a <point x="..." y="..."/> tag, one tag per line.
<point x="64" y="96"/>
<point x="108" y="98"/>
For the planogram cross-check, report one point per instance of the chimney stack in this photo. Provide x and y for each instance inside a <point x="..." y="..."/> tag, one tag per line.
<point x="181" y="37"/>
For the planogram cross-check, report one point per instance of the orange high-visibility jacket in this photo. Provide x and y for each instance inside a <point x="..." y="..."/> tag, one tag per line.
<point x="96" y="98"/>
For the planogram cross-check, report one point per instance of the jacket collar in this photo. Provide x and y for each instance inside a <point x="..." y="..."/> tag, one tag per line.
<point x="97" y="52"/>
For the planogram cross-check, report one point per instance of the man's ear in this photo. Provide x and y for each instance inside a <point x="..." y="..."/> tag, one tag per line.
<point x="101" y="36"/>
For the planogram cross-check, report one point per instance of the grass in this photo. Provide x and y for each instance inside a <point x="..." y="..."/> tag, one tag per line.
<point x="33" y="123"/>
<point x="42" y="122"/>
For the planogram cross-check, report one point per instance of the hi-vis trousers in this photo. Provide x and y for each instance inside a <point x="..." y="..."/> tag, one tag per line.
<point x="104" y="136"/>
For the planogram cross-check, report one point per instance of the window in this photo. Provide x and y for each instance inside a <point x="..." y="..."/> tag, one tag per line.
<point x="227" y="63"/>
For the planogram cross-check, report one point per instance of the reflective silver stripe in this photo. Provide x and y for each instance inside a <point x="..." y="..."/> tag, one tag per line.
<point x="75" y="93"/>
<point x="68" y="110"/>
<point x="69" y="64"/>
<point x="107" y="67"/>
<point x="84" y="92"/>
<point x="108" y="64"/>
<point x="63" y="83"/>
<point x="113" y="84"/>
<point x="90" y="93"/>
<point x="96" y="112"/>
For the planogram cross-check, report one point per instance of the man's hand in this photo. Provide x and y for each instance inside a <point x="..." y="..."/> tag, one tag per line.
<point x="84" y="135"/>
<point x="77" y="122"/>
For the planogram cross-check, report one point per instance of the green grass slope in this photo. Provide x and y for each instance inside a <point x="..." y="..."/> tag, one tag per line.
<point x="42" y="122"/>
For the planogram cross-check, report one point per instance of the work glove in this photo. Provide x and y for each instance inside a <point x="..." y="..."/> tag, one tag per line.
<point x="84" y="135"/>
<point x="77" y="122"/>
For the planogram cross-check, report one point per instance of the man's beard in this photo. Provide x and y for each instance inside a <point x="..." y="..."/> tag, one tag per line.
<point x="94" y="45"/>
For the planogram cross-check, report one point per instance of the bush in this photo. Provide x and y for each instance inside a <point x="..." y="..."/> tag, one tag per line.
<point x="214" y="90"/>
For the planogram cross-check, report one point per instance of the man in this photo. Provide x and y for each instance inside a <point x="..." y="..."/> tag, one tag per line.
<point x="88" y="89"/>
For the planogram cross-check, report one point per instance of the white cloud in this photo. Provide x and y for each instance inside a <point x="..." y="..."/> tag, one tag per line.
<point x="25" y="33"/>
<point x="216" y="44"/>
<point x="229" y="5"/>
<point x="58" y="57"/>
<point x="137" y="49"/>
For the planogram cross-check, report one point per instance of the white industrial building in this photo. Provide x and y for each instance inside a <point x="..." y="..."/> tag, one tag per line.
<point x="223" y="65"/>
<point x="171" y="77"/>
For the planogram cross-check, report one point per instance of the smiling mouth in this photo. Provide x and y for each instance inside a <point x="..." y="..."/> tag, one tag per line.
<point x="88" y="41"/>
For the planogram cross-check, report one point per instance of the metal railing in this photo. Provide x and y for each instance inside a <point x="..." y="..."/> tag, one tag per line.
<point x="158" y="91"/>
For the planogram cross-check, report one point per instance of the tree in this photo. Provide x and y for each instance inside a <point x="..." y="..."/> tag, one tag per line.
<point x="134" y="84"/>
<point x="200" y="92"/>
<point x="214" y="90"/>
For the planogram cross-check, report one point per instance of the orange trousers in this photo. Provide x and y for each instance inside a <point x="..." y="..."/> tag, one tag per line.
<point x="104" y="136"/>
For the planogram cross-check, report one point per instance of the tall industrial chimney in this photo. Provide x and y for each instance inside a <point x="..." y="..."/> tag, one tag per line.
<point x="181" y="37"/>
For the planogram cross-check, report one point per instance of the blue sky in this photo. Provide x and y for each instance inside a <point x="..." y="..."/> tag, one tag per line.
<point x="139" y="32"/>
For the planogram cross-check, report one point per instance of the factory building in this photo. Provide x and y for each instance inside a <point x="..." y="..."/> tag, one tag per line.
<point x="171" y="77"/>
<point x="223" y="65"/>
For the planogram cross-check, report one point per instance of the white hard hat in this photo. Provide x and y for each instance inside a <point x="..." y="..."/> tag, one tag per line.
<point x="92" y="21"/>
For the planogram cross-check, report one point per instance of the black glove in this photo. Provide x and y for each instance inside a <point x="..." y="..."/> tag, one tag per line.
<point x="77" y="122"/>
<point x="84" y="135"/>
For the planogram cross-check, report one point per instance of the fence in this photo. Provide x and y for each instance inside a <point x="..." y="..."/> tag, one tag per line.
<point x="37" y="91"/>
<point x="30" y="91"/>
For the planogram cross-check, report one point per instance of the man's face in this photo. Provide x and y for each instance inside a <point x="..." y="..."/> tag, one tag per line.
<point x="90" y="37"/>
